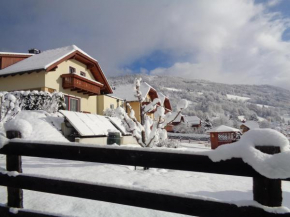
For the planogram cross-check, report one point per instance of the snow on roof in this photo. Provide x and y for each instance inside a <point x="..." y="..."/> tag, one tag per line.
<point x="251" y="124"/>
<point x="118" y="124"/>
<point x="192" y="119"/>
<point x="89" y="124"/>
<point x="241" y="118"/>
<point x="42" y="60"/>
<point x="42" y="128"/>
<point x="239" y="98"/>
<point x="162" y="97"/>
<point x="127" y="92"/>
<point x="223" y="128"/>
<point x="12" y="53"/>
<point x="178" y="119"/>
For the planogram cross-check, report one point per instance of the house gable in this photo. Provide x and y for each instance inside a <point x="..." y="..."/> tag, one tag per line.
<point x="49" y="61"/>
<point x="91" y="64"/>
<point x="8" y="59"/>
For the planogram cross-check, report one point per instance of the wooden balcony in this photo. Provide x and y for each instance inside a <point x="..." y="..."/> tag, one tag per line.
<point x="81" y="84"/>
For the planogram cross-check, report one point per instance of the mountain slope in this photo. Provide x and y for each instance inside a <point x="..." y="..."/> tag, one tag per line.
<point x="209" y="99"/>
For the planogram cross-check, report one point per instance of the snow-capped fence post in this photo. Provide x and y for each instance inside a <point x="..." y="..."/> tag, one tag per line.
<point x="267" y="192"/>
<point x="14" y="163"/>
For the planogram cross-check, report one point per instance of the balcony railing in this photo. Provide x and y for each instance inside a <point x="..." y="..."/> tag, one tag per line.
<point x="80" y="84"/>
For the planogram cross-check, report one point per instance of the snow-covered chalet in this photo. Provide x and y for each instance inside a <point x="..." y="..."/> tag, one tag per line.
<point x="68" y="69"/>
<point x="127" y="94"/>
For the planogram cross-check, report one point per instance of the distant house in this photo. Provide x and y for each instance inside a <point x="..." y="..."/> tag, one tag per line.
<point x="105" y="102"/>
<point x="192" y="121"/>
<point x="179" y="119"/>
<point x="249" y="125"/>
<point x="127" y="94"/>
<point x="165" y="102"/>
<point x="68" y="69"/>
<point x="222" y="135"/>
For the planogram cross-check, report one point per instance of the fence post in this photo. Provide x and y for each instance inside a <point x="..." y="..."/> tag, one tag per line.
<point x="14" y="163"/>
<point x="266" y="191"/>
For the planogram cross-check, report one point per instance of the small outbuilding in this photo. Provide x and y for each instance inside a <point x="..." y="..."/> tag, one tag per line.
<point x="192" y="121"/>
<point x="223" y="135"/>
<point x="92" y="128"/>
<point x="178" y="120"/>
<point x="249" y="125"/>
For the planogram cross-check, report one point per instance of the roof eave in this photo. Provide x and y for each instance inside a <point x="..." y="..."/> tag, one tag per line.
<point x="21" y="72"/>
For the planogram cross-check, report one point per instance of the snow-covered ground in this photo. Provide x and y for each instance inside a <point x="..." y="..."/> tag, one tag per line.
<point x="43" y="126"/>
<point x="265" y="106"/>
<point x="286" y="117"/>
<point x="173" y="89"/>
<point x="239" y="98"/>
<point x="193" y="136"/>
<point x="220" y="187"/>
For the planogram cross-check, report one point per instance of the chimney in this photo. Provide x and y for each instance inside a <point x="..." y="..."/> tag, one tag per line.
<point x="34" y="51"/>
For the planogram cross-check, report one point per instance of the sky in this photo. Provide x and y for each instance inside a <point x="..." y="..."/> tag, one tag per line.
<point x="236" y="42"/>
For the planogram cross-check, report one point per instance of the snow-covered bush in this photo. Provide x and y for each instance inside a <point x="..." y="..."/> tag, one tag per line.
<point x="265" y="124"/>
<point x="222" y="120"/>
<point x="11" y="103"/>
<point x="10" y="106"/>
<point x="109" y="112"/>
<point x="152" y="131"/>
<point x="168" y="143"/>
<point x="35" y="100"/>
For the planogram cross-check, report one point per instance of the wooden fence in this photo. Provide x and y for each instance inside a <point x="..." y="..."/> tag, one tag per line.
<point x="271" y="195"/>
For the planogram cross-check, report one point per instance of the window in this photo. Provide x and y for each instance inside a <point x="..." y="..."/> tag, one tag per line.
<point x="72" y="103"/>
<point x="83" y="74"/>
<point x="72" y="70"/>
<point x="112" y="106"/>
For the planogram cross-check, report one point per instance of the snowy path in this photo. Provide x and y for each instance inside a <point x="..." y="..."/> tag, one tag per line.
<point x="225" y="188"/>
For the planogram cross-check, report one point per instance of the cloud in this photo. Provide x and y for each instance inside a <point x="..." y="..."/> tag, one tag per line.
<point x="223" y="40"/>
<point x="235" y="43"/>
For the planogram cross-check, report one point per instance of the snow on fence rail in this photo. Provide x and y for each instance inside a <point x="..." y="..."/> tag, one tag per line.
<point x="129" y="196"/>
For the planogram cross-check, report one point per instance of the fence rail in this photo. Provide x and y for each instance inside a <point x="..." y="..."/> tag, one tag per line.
<point x="133" y="197"/>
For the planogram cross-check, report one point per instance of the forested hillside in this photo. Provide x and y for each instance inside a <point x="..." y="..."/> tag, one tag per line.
<point x="221" y="102"/>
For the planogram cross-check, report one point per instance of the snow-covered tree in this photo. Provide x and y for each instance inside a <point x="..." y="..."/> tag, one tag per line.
<point x="206" y="124"/>
<point x="253" y="117"/>
<point x="109" y="112"/>
<point x="9" y="107"/>
<point x="222" y="120"/>
<point x="149" y="132"/>
<point x="265" y="124"/>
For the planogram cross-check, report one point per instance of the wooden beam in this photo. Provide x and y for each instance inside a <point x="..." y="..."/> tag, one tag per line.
<point x="139" y="157"/>
<point x="54" y="69"/>
<point x="90" y="66"/>
<point x="14" y="163"/>
<point x="267" y="192"/>
<point x="162" y="201"/>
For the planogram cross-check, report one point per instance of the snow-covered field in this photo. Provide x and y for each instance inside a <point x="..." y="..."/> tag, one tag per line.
<point x="239" y="98"/>
<point x="264" y="106"/>
<point x="193" y="136"/>
<point x="220" y="187"/>
<point x="173" y="89"/>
